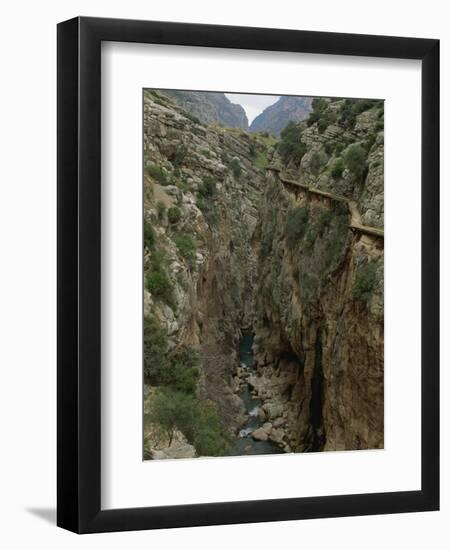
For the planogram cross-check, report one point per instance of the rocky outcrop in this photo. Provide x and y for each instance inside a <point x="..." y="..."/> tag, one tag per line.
<point x="277" y="116"/>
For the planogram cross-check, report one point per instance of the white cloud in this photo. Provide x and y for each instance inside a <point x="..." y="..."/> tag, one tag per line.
<point x="253" y="104"/>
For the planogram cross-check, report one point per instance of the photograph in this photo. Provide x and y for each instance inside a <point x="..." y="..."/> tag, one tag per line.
<point x="263" y="260"/>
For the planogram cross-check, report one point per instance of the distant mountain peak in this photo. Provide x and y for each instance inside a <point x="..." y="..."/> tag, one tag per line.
<point x="276" y="117"/>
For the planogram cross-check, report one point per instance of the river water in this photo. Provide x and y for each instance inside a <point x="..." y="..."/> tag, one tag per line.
<point x="244" y="443"/>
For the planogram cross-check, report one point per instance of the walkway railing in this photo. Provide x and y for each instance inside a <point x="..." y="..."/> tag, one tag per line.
<point x="355" y="225"/>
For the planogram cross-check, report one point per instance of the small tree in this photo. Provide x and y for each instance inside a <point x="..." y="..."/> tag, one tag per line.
<point x="187" y="247"/>
<point x="174" y="214"/>
<point x="290" y="146"/>
<point x="236" y="168"/>
<point x="157" y="173"/>
<point x="149" y="235"/>
<point x="315" y="163"/>
<point x="365" y="281"/>
<point x="355" y="159"/>
<point x="337" y="169"/>
<point x="319" y="104"/>
<point x="155" y="348"/>
<point x="296" y="222"/>
<point x="210" y="438"/>
<point x="160" y="210"/>
<point x="180" y="377"/>
<point x="158" y="283"/>
<point x="171" y="410"/>
<point x="208" y="187"/>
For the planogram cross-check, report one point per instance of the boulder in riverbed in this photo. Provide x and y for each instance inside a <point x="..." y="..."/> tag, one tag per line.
<point x="277" y="435"/>
<point x="260" y="434"/>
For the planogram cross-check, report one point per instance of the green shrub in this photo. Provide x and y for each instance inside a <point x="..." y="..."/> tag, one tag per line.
<point x="338" y="169"/>
<point x="340" y="146"/>
<point x="296" y="222"/>
<point x="178" y="157"/>
<point x="192" y="117"/>
<point x="323" y="221"/>
<point x="208" y="210"/>
<point x="157" y="173"/>
<point x="317" y="227"/>
<point x="329" y="148"/>
<point x="319" y="104"/>
<point x="180" y="376"/>
<point x="261" y="160"/>
<point x="290" y="146"/>
<point x="158" y="283"/>
<point x="313" y="118"/>
<point x="355" y="159"/>
<point x="187" y="247"/>
<point x="322" y="125"/>
<point x="174" y="214"/>
<point x="147" y="450"/>
<point x="208" y="187"/>
<point x="267" y="242"/>
<point x="235" y="167"/>
<point x="173" y="410"/>
<point x="199" y="422"/>
<point x="326" y="119"/>
<point x="155" y="348"/>
<point x="252" y="150"/>
<point x="160" y="210"/>
<point x="210" y="438"/>
<point x="315" y="163"/>
<point x="369" y="141"/>
<point x="353" y="107"/>
<point x="365" y="282"/>
<point x="157" y="259"/>
<point x="149" y="235"/>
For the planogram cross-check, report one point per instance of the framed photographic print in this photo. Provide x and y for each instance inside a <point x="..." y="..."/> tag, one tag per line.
<point x="248" y="254"/>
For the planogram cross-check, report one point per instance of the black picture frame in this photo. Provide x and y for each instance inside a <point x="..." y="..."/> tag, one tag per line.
<point x="79" y="281"/>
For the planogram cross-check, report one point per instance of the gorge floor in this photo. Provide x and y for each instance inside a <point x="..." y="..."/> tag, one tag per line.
<point x="245" y="444"/>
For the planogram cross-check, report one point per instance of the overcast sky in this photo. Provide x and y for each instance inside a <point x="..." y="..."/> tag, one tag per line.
<point x="253" y="104"/>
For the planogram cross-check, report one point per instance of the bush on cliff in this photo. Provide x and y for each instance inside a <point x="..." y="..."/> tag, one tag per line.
<point x="173" y="410"/>
<point x="198" y="421"/>
<point x="208" y="187"/>
<point x="365" y="282"/>
<point x="179" y="376"/>
<point x="157" y="173"/>
<point x="355" y="159"/>
<point x="149" y="235"/>
<point x="296" y="222"/>
<point x="235" y="167"/>
<point x="174" y="214"/>
<point x="290" y="146"/>
<point x="338" y="169"/>
<point x="158" y="283"/>
<point x="155" y="348"/>
<point x="187" y="248"/>
<point x="160" y="210"/>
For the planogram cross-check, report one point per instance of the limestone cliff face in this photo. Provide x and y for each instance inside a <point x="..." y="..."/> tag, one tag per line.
<point x="319" y="334"/>
<point x="201" y="198"/>
<point x="210" y="107"/>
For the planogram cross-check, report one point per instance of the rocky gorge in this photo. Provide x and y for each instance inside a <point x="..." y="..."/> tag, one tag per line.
<point x="263" y="270"/>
